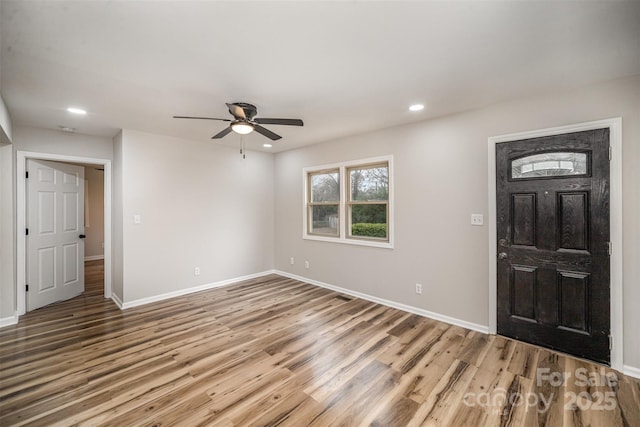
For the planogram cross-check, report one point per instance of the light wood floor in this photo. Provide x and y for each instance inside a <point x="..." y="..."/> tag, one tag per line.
<point x="275" y="351"/>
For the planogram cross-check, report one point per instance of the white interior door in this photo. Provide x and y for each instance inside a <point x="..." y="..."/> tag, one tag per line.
<point x="55" y="223"/>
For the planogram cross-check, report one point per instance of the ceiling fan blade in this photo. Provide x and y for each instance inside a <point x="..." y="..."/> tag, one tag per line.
<point x="237" y="111"/>
<point x="288" y="122"/>
<point x="201" y="118"/>
<point x="222" y="133"/>
<point x="266" y="132"/>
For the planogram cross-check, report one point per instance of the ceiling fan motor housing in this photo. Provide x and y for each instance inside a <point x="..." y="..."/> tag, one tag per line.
<point x="250" y="110"/>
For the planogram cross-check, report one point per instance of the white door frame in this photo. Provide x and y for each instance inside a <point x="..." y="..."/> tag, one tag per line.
<point x="21" y="210"/>
<point x="615" y="218"/>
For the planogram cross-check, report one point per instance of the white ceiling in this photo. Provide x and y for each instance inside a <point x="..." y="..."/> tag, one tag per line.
<point x="344" y="67"/>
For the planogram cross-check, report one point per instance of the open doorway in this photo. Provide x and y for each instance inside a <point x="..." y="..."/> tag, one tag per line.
<point x="94" y="230"/>
<point x="105" y="244"/>
<point x="93" y="212"/>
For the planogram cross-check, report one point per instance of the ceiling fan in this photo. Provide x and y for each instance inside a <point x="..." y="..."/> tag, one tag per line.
<point x="245" y="121"/>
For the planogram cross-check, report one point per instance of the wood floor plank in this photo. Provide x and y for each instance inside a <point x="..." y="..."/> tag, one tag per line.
<point x="334" y="378"/>
<point x="346" y="396"/>
<point x="377" y="387"/>
<point x="272" y="407"/>
<point x="446" y="396"/>
<point x="523" y="360"/>
<point x="276" y="351"/>
<point x="550" y="396"/>
<point x="71" y="411"/>
<point x="294" y="412"/>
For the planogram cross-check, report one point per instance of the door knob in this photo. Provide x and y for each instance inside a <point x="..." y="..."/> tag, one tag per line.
<point x="82" y="236"/>
<point x="502" y="255"/>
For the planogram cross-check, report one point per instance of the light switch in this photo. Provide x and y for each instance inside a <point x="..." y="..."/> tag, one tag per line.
<point x="477" y="219"/>
<point x="137" y="219"/>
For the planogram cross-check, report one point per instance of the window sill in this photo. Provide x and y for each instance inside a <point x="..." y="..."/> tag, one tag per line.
<point x="355" y="242"/>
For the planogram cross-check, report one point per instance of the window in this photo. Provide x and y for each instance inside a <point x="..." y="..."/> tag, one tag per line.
<point x="324" y="202"/>
<point x="368" y="201"/>
<point x="350" y="203"/>
<point x="551" y="164"/>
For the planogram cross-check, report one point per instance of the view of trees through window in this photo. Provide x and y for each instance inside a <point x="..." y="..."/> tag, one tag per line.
<point x="364" y="205"/>
<point x="368" y="201"/>
<point x="325" y="202"/>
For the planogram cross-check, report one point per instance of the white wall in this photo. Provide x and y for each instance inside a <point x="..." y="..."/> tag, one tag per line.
<point x="7" y="228"/>
<point x="7" y="235"/>
<point x="58" y="142"/>
<point x="440" y="179"/>
<point x="116" y="217"/>
<point x="5" y="124"/>
<point x="7" y="221"/>
<point x="200" y="204"/>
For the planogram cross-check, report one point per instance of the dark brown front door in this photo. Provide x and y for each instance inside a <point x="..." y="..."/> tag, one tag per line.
<point x="553" y="242"/>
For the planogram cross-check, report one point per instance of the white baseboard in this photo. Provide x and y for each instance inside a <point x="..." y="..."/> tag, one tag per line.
<point x="115" y="298"/>
<point x="181" y="292"/>
<point x="631" y="371"/>
<point x="93" y="257"/>
<point x="8" y="321"/>
<point x="410" y="309"/>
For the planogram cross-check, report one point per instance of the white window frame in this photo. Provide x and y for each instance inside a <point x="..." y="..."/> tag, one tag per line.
<point x="343" y="206"/>
<point x="336" y="203"/>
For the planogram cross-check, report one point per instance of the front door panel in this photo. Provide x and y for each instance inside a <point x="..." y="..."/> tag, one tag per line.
<point x="553" y="235"/>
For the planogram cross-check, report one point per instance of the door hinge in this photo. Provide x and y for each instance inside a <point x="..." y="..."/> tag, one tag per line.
<point x="27" y="231"/>
<point x="26" y="174"/>
<point x="610" y="153"/>
<point x="610" y="342"/>
<point x="27" y="288"/>
<point x="609" y="248"/>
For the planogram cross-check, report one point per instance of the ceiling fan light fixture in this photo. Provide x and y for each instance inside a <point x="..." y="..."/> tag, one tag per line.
<point x="242" y="128"/>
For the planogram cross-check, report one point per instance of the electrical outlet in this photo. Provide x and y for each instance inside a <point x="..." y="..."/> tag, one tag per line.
<point x="292" y="261"/>
<point x="418" y="288"/>
<point x="306" y="264"/>
<point x="477" y="219"/>
<point x="196" y="271"/>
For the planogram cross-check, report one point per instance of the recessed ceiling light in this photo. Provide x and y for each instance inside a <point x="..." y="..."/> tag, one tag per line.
<point x="67" y="129"/>
<point x="267" y="145"/>
<point x="416" y="107"/>
<point x="79" y="111"/>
